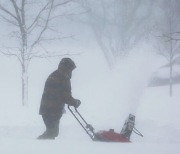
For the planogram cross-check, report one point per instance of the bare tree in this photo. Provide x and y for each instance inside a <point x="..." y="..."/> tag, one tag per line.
<point x="168" y="38"/>
<point x="30" y="21"/>
<point x="118" y="25"/>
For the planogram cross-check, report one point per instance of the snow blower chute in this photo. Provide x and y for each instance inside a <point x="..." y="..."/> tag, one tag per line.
<point x="110" y="135"/>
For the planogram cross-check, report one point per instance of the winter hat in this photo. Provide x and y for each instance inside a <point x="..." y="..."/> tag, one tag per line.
<point x="67" y="63"/>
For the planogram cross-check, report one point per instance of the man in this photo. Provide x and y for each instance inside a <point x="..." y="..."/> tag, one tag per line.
<point x="57" y="93"/>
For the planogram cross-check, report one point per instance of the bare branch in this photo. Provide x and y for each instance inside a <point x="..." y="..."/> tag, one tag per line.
<point x="44" y="9"/>
<point x="8" y="53"/>
<point x="63" y="3"/>
<point x="50" y="54"/>
<point x="17" y="12"/>
<point x="44" y="28"/>
<point x="54" y="55"/>
<point x="56" y="38"/>
<point x="38" y="15"/>
<point x="9" y="21"/>
<point x="8" y="12"/>
<point x="23" y="12"/>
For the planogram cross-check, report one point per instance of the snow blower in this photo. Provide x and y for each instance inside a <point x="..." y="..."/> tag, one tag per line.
<point x="110" y="135"/>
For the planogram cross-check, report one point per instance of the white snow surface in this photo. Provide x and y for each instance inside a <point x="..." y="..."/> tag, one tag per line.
<point x="107" y="96"/>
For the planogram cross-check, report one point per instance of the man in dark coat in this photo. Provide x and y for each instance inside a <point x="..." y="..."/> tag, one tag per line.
<point x="57" y="93"/>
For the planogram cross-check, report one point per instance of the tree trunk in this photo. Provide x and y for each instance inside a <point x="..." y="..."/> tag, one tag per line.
<point x="170" y="80"/>
<point x="24" y="84"/>
<point x="171" y="66"/>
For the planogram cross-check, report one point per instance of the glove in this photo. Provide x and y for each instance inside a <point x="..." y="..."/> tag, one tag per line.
<point x="77" y="103"/>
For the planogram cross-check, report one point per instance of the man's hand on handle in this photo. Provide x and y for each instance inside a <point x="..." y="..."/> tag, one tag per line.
<point x="77" y="103"/>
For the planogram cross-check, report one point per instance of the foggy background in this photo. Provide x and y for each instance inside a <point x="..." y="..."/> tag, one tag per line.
<point x="96" y="33"/>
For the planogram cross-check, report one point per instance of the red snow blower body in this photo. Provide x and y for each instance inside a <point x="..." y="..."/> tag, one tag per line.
<point x="110" y="135"/>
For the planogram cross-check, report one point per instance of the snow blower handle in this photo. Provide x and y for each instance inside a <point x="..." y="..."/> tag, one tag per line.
<point x="87" y="127"/>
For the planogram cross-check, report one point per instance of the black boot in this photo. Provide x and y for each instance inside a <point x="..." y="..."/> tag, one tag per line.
<point x="46" y="136"/>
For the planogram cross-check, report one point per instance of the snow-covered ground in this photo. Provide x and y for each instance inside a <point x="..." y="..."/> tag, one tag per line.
<point x="107" y="96"/>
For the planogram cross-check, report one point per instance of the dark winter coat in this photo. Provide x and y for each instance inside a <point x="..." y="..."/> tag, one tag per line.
<point x="57" y="93"/>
